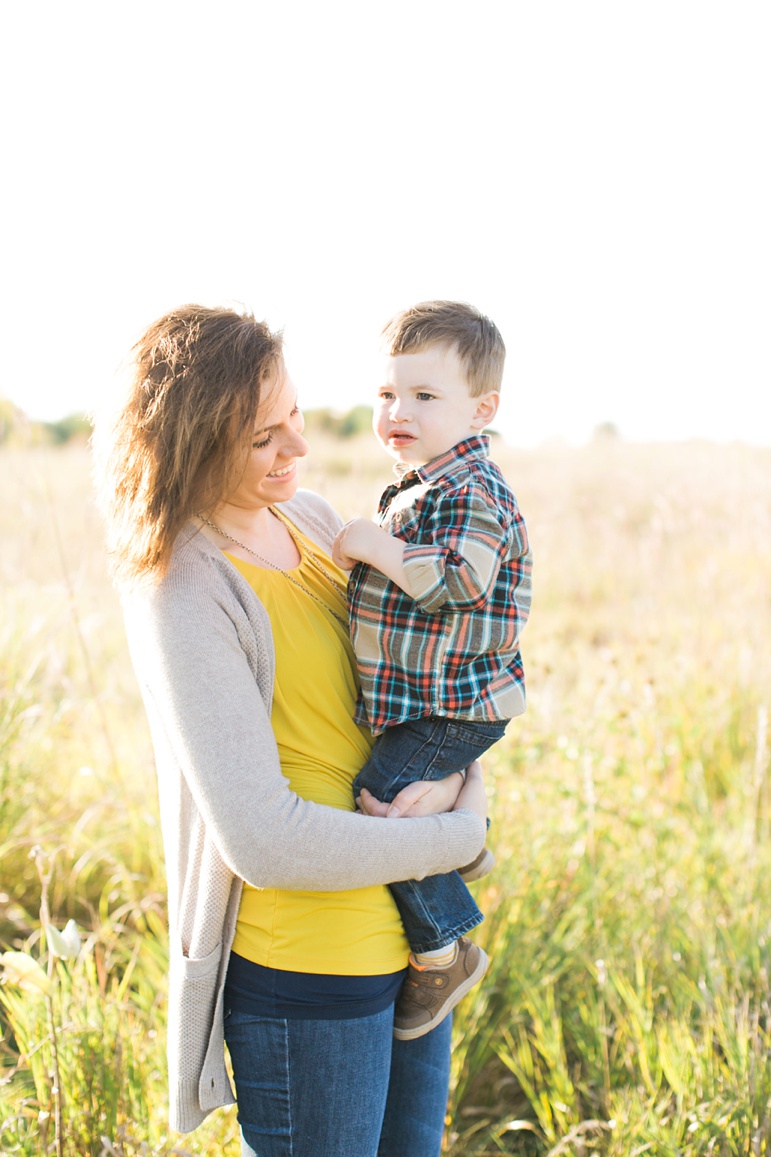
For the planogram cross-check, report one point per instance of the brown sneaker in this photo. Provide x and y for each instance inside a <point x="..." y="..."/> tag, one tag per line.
<point x="481" y="866"/>
<point x="428" y="995"/>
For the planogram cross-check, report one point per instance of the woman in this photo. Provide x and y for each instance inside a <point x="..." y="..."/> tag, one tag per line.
<point x="283" y="934"/>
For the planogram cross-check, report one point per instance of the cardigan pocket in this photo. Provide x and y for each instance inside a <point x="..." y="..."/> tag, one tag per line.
<point x="196" y="967"/>
<point x="214" y="1084"/>
<point x="195" y="982"/>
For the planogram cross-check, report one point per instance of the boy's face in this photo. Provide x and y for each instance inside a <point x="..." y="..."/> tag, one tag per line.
<point x="424" y="406"/>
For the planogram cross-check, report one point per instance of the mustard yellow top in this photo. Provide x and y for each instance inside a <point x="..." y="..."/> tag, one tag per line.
<point x="354" y="933"/>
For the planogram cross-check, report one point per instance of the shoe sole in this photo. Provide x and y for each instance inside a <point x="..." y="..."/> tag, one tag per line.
<point x="483" y="868"/>
<point x="460" y="992"/>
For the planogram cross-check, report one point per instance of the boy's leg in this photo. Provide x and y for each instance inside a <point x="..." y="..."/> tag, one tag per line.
<point x="430" y="748"/>
<point x="437" y="910"/>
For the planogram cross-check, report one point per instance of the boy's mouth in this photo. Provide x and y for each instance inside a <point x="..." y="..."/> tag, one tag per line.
<point x="400" y="438"/>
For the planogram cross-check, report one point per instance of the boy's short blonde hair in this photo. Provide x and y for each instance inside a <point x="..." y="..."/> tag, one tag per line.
<point x="457" y="325"/>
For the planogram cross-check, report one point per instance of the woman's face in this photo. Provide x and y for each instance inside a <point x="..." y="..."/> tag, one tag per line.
<point x="277" y="443"/>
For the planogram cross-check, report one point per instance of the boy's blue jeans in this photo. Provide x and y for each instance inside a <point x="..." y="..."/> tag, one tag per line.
<point x="437" y="910"/>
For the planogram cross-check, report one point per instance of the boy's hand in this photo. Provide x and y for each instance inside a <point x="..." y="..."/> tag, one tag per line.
<point x="355" y="542"/>
<point x="363" y="541"/>
<point x="341" y="557"/>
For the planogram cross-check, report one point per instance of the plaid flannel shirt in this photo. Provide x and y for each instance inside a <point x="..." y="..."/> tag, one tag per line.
<point x="453" y="649"/>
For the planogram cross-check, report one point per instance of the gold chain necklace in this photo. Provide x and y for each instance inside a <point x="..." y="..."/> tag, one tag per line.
<point x="285" y="573"/>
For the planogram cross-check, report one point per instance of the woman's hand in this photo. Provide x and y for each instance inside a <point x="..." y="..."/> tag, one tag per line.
<point x="421" y="798"/>
<point x="428" y="798"/>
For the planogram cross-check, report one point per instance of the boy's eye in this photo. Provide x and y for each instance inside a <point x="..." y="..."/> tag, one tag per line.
<point x="424" y="397"/>
<point x="386" y="396"/>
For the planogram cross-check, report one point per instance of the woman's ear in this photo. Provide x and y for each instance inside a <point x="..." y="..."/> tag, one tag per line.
<point x="487" y="408"/>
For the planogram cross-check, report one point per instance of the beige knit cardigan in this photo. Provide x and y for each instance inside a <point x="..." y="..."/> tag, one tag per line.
<point x="202" y="650"/>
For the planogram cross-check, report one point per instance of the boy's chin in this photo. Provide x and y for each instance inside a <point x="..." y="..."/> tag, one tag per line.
<point x="398" y="454"/>
<point x="405" y="455"/>
<point x="409" y="459"/>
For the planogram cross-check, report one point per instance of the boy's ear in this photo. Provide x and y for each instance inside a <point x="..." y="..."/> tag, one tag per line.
<point x="487" y="408"/>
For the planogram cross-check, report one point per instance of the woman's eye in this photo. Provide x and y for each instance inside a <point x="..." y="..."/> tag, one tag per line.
<point x="261" y="445"/>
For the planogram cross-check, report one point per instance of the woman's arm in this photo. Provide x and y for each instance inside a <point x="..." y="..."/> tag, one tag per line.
<point x="218" y="765"/>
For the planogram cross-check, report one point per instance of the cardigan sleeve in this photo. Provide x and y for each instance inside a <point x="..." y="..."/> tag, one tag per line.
<point x="196" y="649"/>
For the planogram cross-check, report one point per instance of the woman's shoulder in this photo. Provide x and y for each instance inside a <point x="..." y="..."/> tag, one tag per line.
<point x="193" y="557"/>
<point x="198" y="576"/>
<point x="314" y="516"/>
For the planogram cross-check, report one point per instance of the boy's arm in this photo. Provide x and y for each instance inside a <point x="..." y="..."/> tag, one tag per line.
<point x="471" y="536"/>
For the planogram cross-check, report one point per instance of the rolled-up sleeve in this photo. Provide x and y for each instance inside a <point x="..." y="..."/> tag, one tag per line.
<point x="470" y="538"/>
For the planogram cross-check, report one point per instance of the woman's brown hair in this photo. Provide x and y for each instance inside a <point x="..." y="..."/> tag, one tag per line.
<point x="180" y="442"/>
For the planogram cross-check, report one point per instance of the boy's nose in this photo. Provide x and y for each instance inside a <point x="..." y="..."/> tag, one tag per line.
<point x="399" y="411"/>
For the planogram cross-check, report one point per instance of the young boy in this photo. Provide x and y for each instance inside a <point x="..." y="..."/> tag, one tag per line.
<point x="439" y="593"/>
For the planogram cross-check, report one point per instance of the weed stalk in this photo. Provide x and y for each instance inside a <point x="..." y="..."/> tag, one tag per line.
<point x="45" y="874"/>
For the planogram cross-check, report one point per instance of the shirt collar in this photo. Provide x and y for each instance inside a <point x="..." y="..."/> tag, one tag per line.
<point x="477" y="446"/>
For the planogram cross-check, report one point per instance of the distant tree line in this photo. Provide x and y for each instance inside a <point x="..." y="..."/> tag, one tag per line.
<point x="347" y="425"/>
<point x="17" y="429"/>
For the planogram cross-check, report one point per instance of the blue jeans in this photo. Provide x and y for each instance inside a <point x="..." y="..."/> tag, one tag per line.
<point x="437" y="910"/>
<point x="338" y="1088"/>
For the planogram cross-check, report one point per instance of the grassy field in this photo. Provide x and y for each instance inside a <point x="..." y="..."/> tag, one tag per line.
<point x="627" y="1006"/>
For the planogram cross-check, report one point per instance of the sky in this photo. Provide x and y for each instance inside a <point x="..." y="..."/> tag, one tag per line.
<point x="594" y="175"/>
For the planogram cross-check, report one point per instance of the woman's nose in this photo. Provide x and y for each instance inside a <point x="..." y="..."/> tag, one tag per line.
<point x="300" y="447"/>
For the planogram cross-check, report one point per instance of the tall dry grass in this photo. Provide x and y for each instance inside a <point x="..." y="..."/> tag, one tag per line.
<point x="626" y="1009"/>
